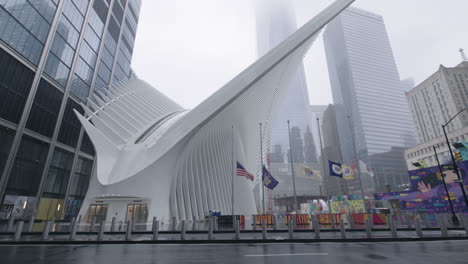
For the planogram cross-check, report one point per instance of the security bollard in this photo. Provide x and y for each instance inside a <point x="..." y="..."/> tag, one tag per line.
<point x="264" y="230"/>
<point x="351" y="221"/>
<point x="368" y="228"/>
<point x="31" y="224"/>
<point x="342" y="229"/>
<point x="93" y="223"/>
<point x="52" y="224"/>
<point x="174" y="223"/>
<point x="153" y="225"/>
<point x="11" y="222"/>
<point x="45" y="233"/>
<point x="316" y="228"/>
<point x="465" y="223"/>
<point x="155" y="229"/>
<point x="19" y="229"/>
<point x="254" y="221"/>
<point x="114" y="219"/>
<point x="237" y="228"/>
<point x="128" y="234"/>
<point x="210" y="228"/>
<point x="290" y="229"/>
<point x="443" y="225"/>
<point x="312" y="223"/>
<point x="274" y="223"/>
<point x="427" y="223"/>
<point x="182" y="230"/>
<point x="418" y="228"/>
<point x="393" y="229"/>
<point x="215" y="223"/>
<point x="408" y="220"/>
<point x="194" y="223"/>
<point x="101" y="231"/>
<point x="332" y="220"/>
<point x="73" y="229"/>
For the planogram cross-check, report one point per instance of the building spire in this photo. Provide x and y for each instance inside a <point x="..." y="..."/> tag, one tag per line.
<point x="463" y="55"/>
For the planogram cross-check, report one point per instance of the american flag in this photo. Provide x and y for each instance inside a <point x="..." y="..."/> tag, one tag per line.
<point x="242" y="172"/>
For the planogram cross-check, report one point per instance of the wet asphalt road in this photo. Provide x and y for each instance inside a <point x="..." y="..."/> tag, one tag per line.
<point x="452" y="252"/>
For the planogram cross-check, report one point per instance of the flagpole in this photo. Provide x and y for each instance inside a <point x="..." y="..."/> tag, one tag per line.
<point x="292" y="169"/>
<point x="357" y="162"/>
<point x="261" y="170"/>
<point x="232" y="171"/>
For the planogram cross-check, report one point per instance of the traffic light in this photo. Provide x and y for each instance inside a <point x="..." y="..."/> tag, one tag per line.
<point x="458" y="156"/>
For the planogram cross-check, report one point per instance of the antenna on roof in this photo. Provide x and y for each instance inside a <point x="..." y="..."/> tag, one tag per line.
<point x="464" y="58"/>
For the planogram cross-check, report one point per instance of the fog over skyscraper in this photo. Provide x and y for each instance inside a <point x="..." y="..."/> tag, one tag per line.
<point x="366" y="87"/>
<point x="276" y="21"/>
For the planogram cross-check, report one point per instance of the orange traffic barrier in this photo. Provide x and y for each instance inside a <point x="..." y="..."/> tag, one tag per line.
<point x="301" y="219"/>
<point x="269" y="219"/>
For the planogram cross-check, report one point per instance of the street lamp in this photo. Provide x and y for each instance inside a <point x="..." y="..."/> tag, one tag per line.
<point x="454" y="216"/>
<point x="460" y="180"/>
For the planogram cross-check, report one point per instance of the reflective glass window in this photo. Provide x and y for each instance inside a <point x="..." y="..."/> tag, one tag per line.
<point x="45" y="109"/>
<point x="27" y="169"/>
<point x="87" y="146"/>
<point x="58" y="175"/>
<point x="19" y="38"/>
<point x="15" y="84"/>
<point x="6" y="135"/>
<point x="70" y="128"/>
<point x="81" y="178"/>
<point x="79" y="88"/>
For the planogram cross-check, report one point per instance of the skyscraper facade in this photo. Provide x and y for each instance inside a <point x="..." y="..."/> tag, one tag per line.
<point x="331" y="151"/>
<point x="372" y="113"/>
<point x="275" y="22"/>
<point x="54" y="54"/>
<point x="433" y="103"/>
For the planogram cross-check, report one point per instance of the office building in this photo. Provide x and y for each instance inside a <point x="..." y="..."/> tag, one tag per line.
<point x="331" y="151"/>
<point x="372" y="113"/>
<point x="54" y="54"/>
<point x="433" y="103"/>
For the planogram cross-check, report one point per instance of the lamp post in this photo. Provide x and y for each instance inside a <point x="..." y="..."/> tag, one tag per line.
<point x="454" y="216"/>
<point x="460" y="180"/>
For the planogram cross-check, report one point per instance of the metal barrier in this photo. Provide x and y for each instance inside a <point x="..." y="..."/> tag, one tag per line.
<point x="316" y="230"/>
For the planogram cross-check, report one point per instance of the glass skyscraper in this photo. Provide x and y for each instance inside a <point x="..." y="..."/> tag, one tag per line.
<point x="369" y="100"/>
<point x="54" y="54"/>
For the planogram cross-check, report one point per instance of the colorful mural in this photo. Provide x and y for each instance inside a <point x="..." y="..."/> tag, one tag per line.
<point x="427" y="190"/>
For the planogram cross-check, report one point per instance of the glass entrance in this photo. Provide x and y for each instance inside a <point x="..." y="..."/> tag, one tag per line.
<point x="138" y="213"/>
<point x="96" y="210"/>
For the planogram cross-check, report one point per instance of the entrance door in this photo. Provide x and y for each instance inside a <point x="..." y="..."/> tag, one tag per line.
<point x="96" y="210"/>
<point x="138" y="213"/>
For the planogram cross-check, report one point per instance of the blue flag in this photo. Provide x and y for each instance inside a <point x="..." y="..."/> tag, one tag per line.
<point x="335" y="169"/>
<point x="268" y="180"/>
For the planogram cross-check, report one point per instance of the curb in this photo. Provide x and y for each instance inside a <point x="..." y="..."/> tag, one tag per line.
<point x="229" y="241"/>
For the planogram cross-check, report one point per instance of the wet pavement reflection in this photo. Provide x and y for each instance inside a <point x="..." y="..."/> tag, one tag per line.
<point x="349" y="253"/>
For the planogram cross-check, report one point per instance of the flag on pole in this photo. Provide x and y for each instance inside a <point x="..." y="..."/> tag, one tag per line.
<point x="241" y="171"/>
<point x="348" y="171"/>
<point x="335" y="169"/>
<point x="268" y="180"/>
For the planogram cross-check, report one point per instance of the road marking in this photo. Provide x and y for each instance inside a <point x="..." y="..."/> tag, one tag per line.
<point x="282" y="255"/>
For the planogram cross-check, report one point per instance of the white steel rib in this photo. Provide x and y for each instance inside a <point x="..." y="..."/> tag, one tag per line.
<point x="180" y="160"/>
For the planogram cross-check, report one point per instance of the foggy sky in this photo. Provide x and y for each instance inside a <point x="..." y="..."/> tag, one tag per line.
<point x="188" y="49"/>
